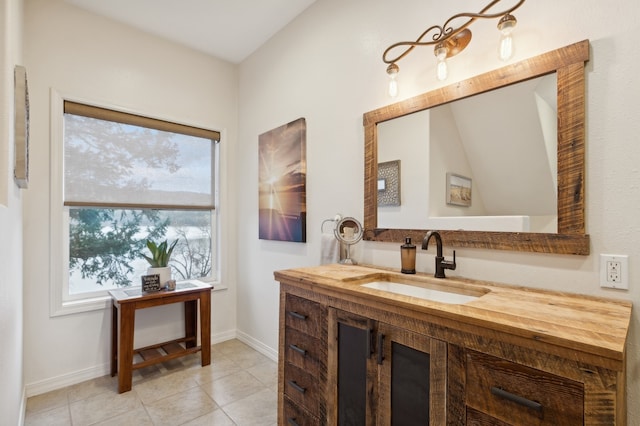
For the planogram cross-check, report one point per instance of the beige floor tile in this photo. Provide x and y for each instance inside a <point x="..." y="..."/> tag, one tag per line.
<point x="215" y="418"/>
<point x="266" y="372"/>
<point x="185" y="362"/>
<point x="147" y="373"/>
<point x="236" y="349"/>
<point x="249" y="358"/>
<point x="193" y="361"/>
<point x="138" y="417"/>
<point x="164" y="386"/>
<point x="257" y="409"/>
<point x="49" y="400"/>
<point x="56" y="417"/>
<point x="179" y="392"/>
<point x="92" y="387"/>
<point x="216" y="350"/>
<point x="232" y="347"/>
<point x="180" y="408"/>
<point x="103" y="407"/>
<point x="220" y="366"/>
<point x="232" y="387"/>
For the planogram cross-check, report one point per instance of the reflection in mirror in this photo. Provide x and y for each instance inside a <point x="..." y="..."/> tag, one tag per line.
<point x="504" y="141"/>
<point x="496" y="188"/>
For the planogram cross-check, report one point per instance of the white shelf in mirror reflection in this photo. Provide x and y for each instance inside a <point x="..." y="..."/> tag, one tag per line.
<point x="506" y="223"/>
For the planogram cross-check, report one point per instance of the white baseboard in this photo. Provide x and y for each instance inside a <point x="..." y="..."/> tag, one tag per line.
<point x="257" y="345"/>
<point x="223" y="337"/>
<point x="23" y="407"/>
<point x="75" y="377"/>
<point x="58" y="382"/>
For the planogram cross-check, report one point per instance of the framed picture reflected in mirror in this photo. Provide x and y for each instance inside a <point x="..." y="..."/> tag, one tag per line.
<point x="389" y="183"/>
<point x="458" y="190"/>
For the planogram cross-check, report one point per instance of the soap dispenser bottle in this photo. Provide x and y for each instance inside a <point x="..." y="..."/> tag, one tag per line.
<point x="408" y="257"/>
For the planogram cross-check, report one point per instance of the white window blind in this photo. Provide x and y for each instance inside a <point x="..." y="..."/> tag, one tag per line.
<point x="118" y="159"/>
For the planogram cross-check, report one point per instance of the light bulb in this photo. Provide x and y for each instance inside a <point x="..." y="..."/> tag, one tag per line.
<point x="442" y="71"/>
<point x="506" y="47"/>
<point x="506" y="25"/>
<point x="392" y="72"/>
<point x="393" y="87"/>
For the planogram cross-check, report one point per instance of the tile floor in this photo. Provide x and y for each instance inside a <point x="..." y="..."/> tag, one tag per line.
<point x="238" y="388"/>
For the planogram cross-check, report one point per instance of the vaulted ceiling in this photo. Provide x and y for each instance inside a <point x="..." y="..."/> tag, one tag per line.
<point x="227" y="29"/>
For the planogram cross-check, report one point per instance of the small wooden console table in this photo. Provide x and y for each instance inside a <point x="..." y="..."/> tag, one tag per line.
<point x="125" y="303"/>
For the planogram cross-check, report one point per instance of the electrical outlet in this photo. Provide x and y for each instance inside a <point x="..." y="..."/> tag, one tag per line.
<point x="614" y="271"/>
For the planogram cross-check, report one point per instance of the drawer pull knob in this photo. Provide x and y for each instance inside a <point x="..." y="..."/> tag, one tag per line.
<point x="297" y="315"/>
<point x="292" y="421"/>
<point x="516" y="398"/>
<point x="298" y="349"/>
<point x="297" y="386"/>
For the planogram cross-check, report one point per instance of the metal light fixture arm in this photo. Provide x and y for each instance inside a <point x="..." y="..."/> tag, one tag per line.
<point x="446" y="31"/>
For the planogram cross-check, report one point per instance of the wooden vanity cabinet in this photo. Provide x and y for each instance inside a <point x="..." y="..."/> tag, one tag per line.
<point x="347" y="359"/>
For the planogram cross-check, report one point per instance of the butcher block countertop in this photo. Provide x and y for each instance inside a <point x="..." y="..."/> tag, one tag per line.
<point x="575" y="326"/>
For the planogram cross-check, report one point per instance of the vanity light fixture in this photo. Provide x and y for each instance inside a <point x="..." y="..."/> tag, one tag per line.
<point x="448" y="41"/>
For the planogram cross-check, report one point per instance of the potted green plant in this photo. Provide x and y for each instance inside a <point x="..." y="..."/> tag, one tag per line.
<point x="159" y="259"/>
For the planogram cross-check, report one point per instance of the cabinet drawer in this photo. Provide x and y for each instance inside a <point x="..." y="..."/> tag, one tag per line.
<point x="476" y="418"/>
<point x="305" y="315"/>
<point x="303" y="389"/>
<point x="305" y="352"/>
<point x="520" y="395"/>
<point x="296" y="416"/>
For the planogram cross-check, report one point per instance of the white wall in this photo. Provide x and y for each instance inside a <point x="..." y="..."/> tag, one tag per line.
<point x="11" y="284"/>
<point x="326" y="66"/>
<point x="397" y="140"/>
<point x="79" y="54"/>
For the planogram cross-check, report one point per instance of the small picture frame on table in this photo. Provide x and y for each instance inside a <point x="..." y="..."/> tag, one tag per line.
<point x="151" y="283"/>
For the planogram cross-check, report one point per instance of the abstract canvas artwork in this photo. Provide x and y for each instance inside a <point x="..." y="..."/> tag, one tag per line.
<point x="282" y="183"/>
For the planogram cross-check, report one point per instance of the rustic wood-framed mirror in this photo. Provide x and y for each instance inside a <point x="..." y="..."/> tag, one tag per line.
<point x="568" y="64"/>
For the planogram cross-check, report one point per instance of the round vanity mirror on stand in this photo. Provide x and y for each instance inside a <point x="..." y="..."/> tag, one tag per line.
<point x="348" y="231"/>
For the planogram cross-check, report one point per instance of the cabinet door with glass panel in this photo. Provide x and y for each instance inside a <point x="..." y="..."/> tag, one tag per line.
<point x="384" y="375"/>
<point x="412" y="371"/>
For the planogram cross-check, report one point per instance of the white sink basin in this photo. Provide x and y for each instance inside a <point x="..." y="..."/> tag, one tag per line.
<point x="421" y="292"/>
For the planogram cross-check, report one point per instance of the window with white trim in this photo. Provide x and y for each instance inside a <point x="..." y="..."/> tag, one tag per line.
<point x="127" y="179"/>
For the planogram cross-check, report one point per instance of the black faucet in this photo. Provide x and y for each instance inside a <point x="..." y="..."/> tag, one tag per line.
<point x="441" y="264"/>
